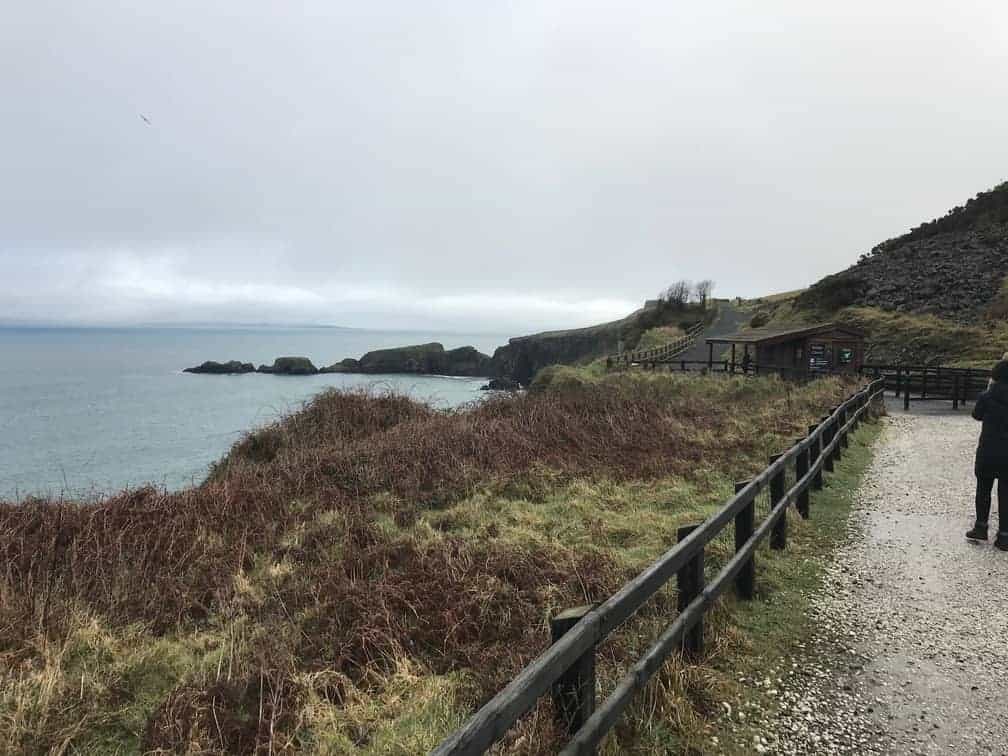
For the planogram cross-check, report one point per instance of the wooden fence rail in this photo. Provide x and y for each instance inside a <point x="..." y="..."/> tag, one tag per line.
<point x="657" y="355"/>
<point x="930" y="382"/>
<point x="567" y="667"/>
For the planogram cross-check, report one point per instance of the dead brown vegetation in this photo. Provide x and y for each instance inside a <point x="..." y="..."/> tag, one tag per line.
<point x="310" y="537"/>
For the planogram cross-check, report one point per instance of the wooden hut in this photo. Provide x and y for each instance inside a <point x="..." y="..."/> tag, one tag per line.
<point x="794" y="350"/>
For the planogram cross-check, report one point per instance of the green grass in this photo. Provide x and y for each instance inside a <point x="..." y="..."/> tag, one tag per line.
<point x="905" y="338"/>
<point x="659" y="336"/>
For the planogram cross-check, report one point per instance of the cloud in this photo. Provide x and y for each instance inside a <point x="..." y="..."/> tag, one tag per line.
<point x="514" y="165"/>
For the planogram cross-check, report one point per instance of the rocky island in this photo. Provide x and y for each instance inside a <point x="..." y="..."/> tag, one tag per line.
<point x="419" y="359"/>
<point x="512" y="365"/>
<point x="233" y="367"/>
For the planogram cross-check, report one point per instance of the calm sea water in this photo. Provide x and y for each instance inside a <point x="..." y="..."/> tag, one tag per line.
<point x="92" y="411"/>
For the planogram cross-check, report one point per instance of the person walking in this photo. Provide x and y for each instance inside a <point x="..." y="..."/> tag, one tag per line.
<point x="991" y="409"/>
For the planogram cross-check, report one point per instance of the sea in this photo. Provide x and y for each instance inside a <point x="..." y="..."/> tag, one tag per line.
<point x="86" y="412"/>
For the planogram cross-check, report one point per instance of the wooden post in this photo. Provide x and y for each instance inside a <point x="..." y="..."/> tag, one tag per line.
<point x="710" y="357"/>
<point x="814" y="450"/>
<point x="684" y="366"/>
<point x="801" y="470"/>
<point x="691" y="584"/>
<point x="827" y="439"/>
<point x="955" y="391"/>
<point x="574" y="692"/>
<point x="733" y="359"/>
<point x="745" y="524"/>
<point x="843" y="422"/>
<point x="924" y="383"/>
<point x="906" y="394"/>
<point x="778" y="536"/>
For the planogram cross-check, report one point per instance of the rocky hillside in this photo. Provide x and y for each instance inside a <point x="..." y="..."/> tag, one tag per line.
<point x="953" y="267"/>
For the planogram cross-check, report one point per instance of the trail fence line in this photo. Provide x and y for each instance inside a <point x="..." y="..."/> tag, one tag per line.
<point x="930" y="382"/>
<point x="567" y="667"/>
<point x="658" y="355"/>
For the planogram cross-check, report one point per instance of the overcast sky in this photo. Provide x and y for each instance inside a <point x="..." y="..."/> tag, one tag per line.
<point x="473" y="165"/>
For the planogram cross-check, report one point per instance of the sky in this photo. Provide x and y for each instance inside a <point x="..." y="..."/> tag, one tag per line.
<point x="483" y="166"/>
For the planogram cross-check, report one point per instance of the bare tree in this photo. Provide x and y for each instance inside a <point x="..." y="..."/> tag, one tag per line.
<point x="703" y="291"/>
<point x="677" y="295"/>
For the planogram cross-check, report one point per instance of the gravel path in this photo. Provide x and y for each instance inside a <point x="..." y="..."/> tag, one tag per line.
<point x="912" y="651"/>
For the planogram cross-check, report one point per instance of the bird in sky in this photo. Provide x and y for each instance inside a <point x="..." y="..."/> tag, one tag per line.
<point x="146" y="119"/>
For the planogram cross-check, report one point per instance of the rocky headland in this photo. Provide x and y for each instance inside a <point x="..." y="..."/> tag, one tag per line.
<point x="512" y="365"/>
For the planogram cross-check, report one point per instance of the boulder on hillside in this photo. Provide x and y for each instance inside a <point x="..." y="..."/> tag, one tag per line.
<point x="231" y="367"/>
<point x="290" y="366"/>
<point x="349" y="365"/>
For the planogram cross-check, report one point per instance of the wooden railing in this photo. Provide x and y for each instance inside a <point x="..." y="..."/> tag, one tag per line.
<point x="567" y="667"/>
<point x="657" y="355"/>
<point x="930" y="382"/>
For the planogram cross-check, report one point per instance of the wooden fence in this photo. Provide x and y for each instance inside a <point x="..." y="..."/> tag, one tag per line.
<point x="658" y="355"/>
<point x="930" y="382"/>
<point x="567" y="667"/>
<point x="735" y="368"/>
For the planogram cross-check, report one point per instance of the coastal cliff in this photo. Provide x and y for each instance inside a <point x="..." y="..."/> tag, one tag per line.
<point x="523" y="356"/>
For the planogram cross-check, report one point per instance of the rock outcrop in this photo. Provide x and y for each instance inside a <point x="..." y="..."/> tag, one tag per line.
<point x="349" y="365"/>
<point x="290" y="366"/>
<point x="232" y="367"/>
<point x="425" y="359"/>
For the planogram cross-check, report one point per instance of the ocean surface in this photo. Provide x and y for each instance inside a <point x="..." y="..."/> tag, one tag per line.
<point x="86" y="412"/>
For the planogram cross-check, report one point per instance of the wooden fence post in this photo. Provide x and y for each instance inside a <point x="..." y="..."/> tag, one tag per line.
<point x="745" y="524"/>
<point x="955" y="391"/>
<point x="691" y="584"/>
<point x="835" y="435"/>
<point x="844" y="417"/>
<point x="801" y="470"/>
<point x="574" y="692"/>
<point x="906" y="394"/>
<point x="778" y="536"/>
<point x="827" y="439"/>
<point x="924" y="383"/>
<point x="814" y="451"/>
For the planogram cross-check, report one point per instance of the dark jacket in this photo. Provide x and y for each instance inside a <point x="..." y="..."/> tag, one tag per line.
<point x="992" y="409"/>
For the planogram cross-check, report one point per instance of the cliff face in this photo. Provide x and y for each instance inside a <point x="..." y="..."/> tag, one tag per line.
<point x="953" y="267"/>
<point x="524" y="356"/>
